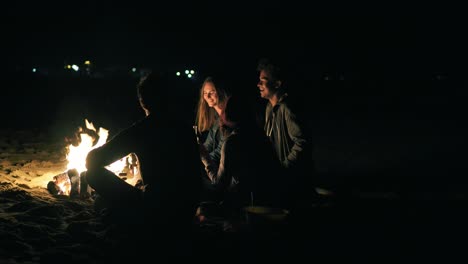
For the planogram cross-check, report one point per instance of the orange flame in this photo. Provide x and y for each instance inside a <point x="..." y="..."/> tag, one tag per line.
<point x="76" y="156"/>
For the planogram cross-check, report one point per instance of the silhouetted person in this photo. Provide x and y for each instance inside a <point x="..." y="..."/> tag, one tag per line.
<point x="248" y="164"/>
<point x="169" y="163"/>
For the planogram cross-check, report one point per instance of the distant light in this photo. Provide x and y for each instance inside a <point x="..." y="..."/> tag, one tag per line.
<point x="189" y="75"/>
<point x="192" y="72"/>
<point x="177" y="73"/>
<point x="34" y="70"/>
<point x="69" y="66"/>
<point x="133" y="69"/>
<point x="187" y="72"/>
<point x="87" y="62"/>
<point x="75" y="67"/>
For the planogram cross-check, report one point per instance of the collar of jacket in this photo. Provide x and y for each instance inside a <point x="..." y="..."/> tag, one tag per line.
<point x="281" y="99"/>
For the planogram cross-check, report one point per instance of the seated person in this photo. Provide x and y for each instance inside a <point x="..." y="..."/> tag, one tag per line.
<point x="168" y="156"/>
<point x="248" y="166"/>
<point x="211" y="104"/>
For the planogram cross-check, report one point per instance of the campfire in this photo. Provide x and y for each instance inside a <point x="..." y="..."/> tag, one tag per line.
<point x="68" y="182"/>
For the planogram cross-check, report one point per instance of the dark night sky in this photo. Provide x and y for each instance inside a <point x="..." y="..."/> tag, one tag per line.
<point x="139" y="32"/>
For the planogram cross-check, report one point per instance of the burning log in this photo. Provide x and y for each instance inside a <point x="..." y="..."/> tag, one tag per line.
<point x="85" y="189"/>
<point x="73" y="181"/>
<point x="66" y="183"/>
<point x="53" y="188"/>
<point x="131" y="167"/>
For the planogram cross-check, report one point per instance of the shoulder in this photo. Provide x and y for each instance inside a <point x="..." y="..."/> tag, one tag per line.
<point x="134" y="127"/>
<point x="232" y="147"/>
<point x="292" y="105"/>
<point x="232" y="140"/>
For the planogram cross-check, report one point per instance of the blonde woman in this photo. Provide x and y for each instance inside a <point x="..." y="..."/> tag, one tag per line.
<point x="211" y="104"/>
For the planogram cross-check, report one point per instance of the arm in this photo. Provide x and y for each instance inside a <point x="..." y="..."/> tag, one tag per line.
<point x="223" y="175"/>
<point x="297" y="134"/>
<point x="210" y="151"/>
<point x="208" y="144"/>
<point x="211" y="167"/>
<point x="213" y="143"/>
<point x="116" y="148"/>
<point x="215" y="154"/>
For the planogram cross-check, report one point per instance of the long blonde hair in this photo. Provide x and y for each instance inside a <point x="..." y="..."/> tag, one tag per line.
<point x="206" y="116"/>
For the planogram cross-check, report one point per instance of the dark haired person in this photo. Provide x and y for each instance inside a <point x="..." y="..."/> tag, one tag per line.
<point x="248" y="164"/>
<point x="287" y="130"/>
<point x="169" y="164"/>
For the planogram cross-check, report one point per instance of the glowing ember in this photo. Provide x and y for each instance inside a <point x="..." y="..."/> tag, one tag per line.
<point x="63" y="183"/>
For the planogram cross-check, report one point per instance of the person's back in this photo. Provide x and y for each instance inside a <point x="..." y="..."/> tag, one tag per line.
<point x="254" y="165"/>
<point x="170" y="160"/>
<point x="248" y="164"/>
<point x="168" y="155"/>
<point x="169" y="164"/>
